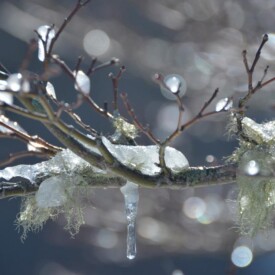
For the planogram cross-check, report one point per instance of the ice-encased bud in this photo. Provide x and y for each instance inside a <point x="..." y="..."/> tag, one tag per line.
<point x="50" y="90"/>
<point x="224" y="103"/>
<point x="47" y="34"/>
<point x="175" y="84"/>
<point x="4" y="96"/>
<point x="17" y="83"/>
<point x="131" y="197"/>
<point x="51" y="192"/>
<point x="82" y="82"/>
<point x="12" y="124"/>
<point x="146" y="158"/>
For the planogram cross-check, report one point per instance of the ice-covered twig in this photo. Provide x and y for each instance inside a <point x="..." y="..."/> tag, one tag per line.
<point x="131" y="197"/>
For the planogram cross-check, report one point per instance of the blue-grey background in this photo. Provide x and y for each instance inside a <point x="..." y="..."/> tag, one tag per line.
<point x="200" y="40"/>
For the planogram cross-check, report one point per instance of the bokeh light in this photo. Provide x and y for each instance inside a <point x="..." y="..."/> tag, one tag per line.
<point x="194" y="207"/>
<point x="96" y="42"/>
<point x="241" y="256"/>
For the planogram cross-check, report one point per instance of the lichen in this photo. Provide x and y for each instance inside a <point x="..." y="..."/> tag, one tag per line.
<point x="32" y="217"/>
<point x="256" y="199"/>
<point x="125" y="128"/>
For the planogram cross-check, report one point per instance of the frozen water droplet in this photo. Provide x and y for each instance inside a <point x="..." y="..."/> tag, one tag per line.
<point x="50" y="90"/>
<point x="47" y="34"/>
<point x="252" y="168"/>
<point x="224" y="103"/>
<point x="131" y="197"/>
<point x="82" y="82"/>
<point x="175" y="83"/>
<point x="51" y="192"/>
<point x="14" y="82"/>
<point x="5" y="97"/>
<point x="3" y="85"/>
<point x="241" y="256"/>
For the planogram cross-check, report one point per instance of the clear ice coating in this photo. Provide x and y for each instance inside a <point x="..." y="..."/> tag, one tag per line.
<point x="224" y="103"/>
<point x="50" y="90"/>
<point x="131" y="197"/>
<point x="82" y="82"/>
<point x="46" y="33"/>
<point x="261" y="133"/>
<point x="175" y="83"/>
<point x="51" y="192"/>
<point x="146" y="158"/>
<point x="10" y="123"/>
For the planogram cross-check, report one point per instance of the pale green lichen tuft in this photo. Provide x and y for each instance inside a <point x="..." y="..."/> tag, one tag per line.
<point x="125" y="128"/>
<point x="256" y="199"/>
<point x="32" y="217"/>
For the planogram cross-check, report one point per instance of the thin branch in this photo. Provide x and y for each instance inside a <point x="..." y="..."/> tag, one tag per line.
<point x="23" y="112"/>
<point x="66" y="21"/>
<point x="24" y="154"/>
<point x="136" y="122"/>
<point x="115" y="81"/>
<point x="89" y="100"/>
<point x="92" y="69"/>
<point x="192" y="177"/>
<point x="26" y="61"/>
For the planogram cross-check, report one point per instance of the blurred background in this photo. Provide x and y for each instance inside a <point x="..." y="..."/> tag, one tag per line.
<point x="186" y="232"/>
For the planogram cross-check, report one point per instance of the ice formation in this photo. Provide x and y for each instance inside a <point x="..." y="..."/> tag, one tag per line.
<point x="50" y="90"/>
<point x="131" y="197"/>
<point x="146" y="158"/>
<point x="10" y="123"/>
<point x="47" y="34"/>
<point x="176" y="84"/>
<point x="52" y="192"/>
<point x="82" y="82"/>
<point x="224" y="103"/>
<point x="4" y="96"/>
<point x="261" y="133"/>
<point x="16" y="83"/>
<point x="64" y="162"/>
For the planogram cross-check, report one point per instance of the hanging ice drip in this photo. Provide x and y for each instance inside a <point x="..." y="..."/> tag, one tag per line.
<point x="131" y="197"/>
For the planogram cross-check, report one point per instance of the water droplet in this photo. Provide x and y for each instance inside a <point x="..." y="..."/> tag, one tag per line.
<point x="14" y="82"/>
<point x="3" y="85"/>
<point x="50" y="90"/>
<point x="224" y="103"/>
<point x="82" y="82"/>
<point x="241" y="256"/>
<point x="175" y="83"/>
<point x="46" y="33"/>
<point x="252" y="168"/>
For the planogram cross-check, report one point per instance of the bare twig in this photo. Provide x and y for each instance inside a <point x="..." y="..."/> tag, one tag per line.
<point x="24" y="154"/>
<point x="67" y="20"/>
<point x="136" y="122"/>
<point x="115" y="81"/>
<point x="89" y="100"/>
<point x="93" y="68"/>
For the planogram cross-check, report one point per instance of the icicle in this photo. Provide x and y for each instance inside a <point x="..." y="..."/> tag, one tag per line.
<point x="131" y="197"/>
